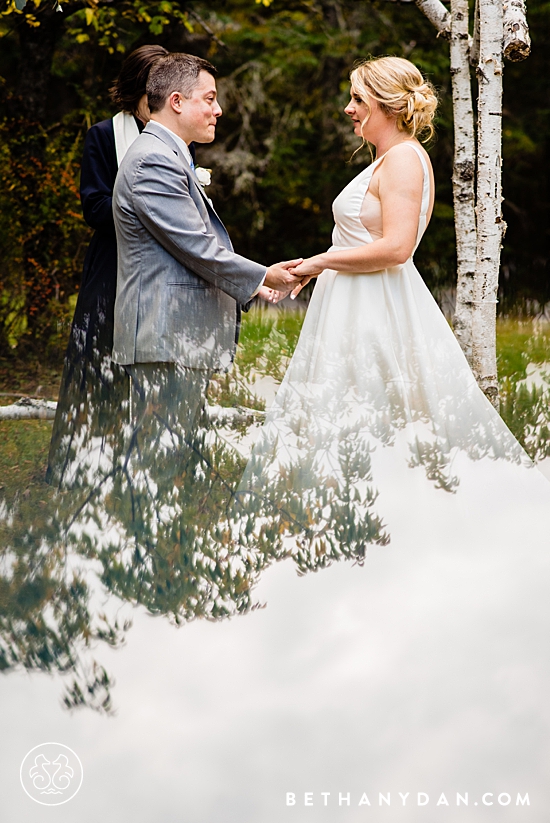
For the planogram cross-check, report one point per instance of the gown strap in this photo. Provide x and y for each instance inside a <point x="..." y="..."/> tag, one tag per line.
<point x="426" y="184"/>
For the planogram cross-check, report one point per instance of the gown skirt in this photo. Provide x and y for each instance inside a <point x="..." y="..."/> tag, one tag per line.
<point x="380" y="449"/>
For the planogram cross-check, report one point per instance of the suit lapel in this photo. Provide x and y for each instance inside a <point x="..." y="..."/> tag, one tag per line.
<point x="165" y="136"/>
<point x="153" y="128"/>
<point x="209" y="205"/>
<point x="192" y="176"/>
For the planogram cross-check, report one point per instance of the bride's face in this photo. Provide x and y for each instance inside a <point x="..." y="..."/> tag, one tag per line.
<point x="366" y="115"/>
<point x="360" y="111"/>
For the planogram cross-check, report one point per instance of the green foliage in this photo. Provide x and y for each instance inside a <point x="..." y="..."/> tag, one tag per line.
<point x="526" y="207"/>
<point x="523" y="349"/>
<point x="42" y="231"/>
<point x="108" y="25"/>
<point x="103" y="22"/>
<point x="284" y="147"/>
<point x="23" y="456"/>
<point x="518" y="344"/>
<point x="526" y="412"/>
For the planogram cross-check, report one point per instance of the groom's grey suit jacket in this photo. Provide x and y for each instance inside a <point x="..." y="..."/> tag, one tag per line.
<point x="179" y="284"/>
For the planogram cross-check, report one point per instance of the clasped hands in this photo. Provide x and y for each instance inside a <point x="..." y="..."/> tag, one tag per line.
<point x="289" y="277"/>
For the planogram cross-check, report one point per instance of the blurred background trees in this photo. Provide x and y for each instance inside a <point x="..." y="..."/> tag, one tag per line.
<point x="283" y="149"/>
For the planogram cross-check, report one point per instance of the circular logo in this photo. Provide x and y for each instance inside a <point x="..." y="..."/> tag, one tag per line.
<point x="51" y="774"/>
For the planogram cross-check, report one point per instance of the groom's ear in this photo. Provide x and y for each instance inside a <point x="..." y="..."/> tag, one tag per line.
<point x="175" y="101"/>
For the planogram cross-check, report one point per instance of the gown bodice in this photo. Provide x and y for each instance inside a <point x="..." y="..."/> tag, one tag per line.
<point x="354" y="202"/>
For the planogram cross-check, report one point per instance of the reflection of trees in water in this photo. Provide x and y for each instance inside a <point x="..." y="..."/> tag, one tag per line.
<point x="158" y="526"/>
<point x="309" y="496"/>
<point x="527" y="413"/>
<point x="309" y="491"/>
<point x="170" y="552"/>
<point x="46" y="620"/>
<point x="150" y="524"/>
<point x="86" y="432"/>
<point x="152" y="513"/>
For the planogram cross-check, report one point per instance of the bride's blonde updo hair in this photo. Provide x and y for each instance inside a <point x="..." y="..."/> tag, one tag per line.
<point x="401" y="91"/>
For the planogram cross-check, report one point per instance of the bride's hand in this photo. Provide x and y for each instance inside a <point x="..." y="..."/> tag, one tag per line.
<point x="310" y="268"/>
<point x="295" y="292"/>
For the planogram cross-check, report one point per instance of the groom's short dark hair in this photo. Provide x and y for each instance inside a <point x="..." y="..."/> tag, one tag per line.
<point x="175" y="72"/>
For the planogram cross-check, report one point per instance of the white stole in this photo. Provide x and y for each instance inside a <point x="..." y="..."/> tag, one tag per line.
<point x="126" y="131"/>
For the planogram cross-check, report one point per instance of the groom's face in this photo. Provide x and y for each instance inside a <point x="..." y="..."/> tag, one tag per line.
<point x="200" y="112"/>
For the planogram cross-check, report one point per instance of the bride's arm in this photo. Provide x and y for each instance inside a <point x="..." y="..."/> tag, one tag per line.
<point x="400" y="191"/>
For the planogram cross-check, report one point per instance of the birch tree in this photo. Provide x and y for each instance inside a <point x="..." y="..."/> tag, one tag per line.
<point x="500" y="29"/>
<point x="517" y="42"/>
<point x="490" y="225"/>
<point x="463" y="174"/>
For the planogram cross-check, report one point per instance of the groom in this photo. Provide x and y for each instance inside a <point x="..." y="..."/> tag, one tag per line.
<point x="180" y="285"/>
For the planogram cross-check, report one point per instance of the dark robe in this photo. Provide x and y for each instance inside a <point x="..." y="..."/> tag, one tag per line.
<point x="96" y="299"/>
<point x="92" y="386"/>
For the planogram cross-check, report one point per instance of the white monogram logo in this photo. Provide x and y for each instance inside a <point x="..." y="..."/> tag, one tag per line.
<point x="51" y="774"/>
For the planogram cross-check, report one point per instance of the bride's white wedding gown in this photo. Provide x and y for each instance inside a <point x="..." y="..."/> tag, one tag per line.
<point x="379" y="432"/>
<point x="380" y="447"/>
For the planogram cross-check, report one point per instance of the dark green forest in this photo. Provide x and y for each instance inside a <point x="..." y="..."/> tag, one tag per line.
<point x="284" y="145"/>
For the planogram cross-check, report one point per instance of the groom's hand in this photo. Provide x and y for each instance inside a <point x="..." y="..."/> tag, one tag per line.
<point x="279" y="277"/>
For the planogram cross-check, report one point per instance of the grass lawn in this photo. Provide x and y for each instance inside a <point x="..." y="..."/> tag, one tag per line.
<point x="267" y="342"/>
<point x="519" y="343"/>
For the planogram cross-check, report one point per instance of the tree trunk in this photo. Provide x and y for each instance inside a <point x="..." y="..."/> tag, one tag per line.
<point x="490" y="225"/>
<point x="517" y="42"/>
<point x="463" y="175"/>
<point x="455" y="25"/>
<point x="29" y="409"/>
<point x="37" y="48"/>
<point x="437" y="14"/>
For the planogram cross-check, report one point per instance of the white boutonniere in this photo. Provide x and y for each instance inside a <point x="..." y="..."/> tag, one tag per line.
<point x="204" y="176"/>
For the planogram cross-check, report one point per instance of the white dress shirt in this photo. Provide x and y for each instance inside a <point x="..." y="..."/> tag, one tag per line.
<point x="181" y="143"/>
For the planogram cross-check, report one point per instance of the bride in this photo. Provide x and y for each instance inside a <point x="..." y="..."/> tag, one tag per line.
<point x="379" y="433"/>
<point x="380" y="448"/>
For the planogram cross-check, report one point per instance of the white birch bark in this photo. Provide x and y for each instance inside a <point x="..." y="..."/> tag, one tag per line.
<point x="437" y="14"/>
<point x="463" y="175"/>
<point x="224" y="415"/>
<point x="516" y="44"/>
<point x="29" y="409"/>
<point x="490" y="225"/>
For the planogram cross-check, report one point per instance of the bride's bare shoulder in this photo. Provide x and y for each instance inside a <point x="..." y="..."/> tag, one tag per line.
<point x="401" y="163"/>
<point x="404" y="171"/>
<point x="404" y="153"/>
